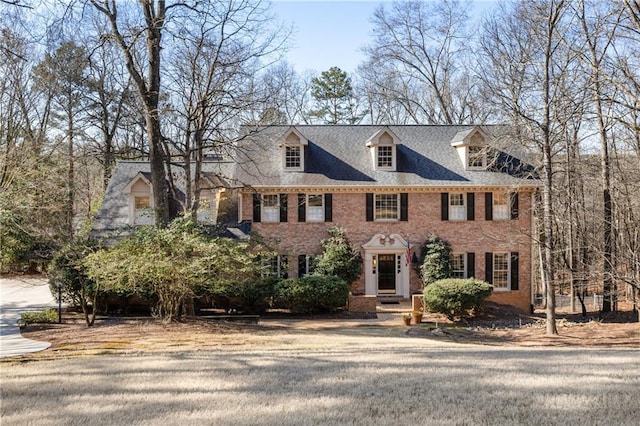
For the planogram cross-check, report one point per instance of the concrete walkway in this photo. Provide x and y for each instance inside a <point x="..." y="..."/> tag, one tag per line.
<point x="18" y="295"/>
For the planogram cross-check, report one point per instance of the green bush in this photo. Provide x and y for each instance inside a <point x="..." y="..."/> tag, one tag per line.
<point x="48" y="316"/>
<point x="338" y="258"/>
<point x="312" y="293"/>
<point x="455" y="297"/>
<point x="252" y="297"/>
<point x="435" y="265"/>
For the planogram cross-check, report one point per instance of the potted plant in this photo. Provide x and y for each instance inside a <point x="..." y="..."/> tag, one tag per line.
<point x="417" y="317"/>
<point x="406" y="319"/>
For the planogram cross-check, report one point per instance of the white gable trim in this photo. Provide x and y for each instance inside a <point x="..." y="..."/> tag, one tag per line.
<point x="140" y="176"/>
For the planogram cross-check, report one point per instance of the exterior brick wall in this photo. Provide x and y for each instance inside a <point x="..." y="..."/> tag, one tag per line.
<point x="349" y="211"/>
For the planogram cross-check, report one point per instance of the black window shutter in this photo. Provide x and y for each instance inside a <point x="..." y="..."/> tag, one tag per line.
<point x="471" y="206"/>
<point x="513" y="197"/>
<point x="302" y="207"/>
<point x="369" y="207"/>
<point x="444" y="206"/>
<point x="471" y="265"/>
<point x="328" y="207"/>
<point x="404" y="207"/>
<point x="257" y="214"/>
<point x="488" y="267"/>
<point x="283" y="207"/>
<point x="514" y="271"/>
<point x="488" y="206"/>
<point x="302" y="265"/>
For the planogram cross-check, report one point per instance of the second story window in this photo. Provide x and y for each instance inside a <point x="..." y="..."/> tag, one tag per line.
<point x="501" y="206"/>
<point x="315" y="208"/>
<point x="385" y="157"/>
<point x="456" y="207"/>
<point x="270" y="208"/>
<point x="386" y="207"/>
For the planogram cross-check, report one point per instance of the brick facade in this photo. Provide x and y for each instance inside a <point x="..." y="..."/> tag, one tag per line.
<point x="478" y="236"/>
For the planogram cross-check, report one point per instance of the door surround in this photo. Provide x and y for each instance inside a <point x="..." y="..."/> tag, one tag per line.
<point x="386" y="244"/>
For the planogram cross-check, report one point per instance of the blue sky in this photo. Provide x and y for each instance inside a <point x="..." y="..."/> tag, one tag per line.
<point x="331" y="32"/>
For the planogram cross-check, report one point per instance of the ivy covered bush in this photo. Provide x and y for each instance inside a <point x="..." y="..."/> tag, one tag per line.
<point x="436" y="265"/>
<point x="456" y="297"/>
<point x="312" y="294"/>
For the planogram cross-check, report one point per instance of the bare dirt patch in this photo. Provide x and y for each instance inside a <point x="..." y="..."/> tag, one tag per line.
<point x="496" y="327"/>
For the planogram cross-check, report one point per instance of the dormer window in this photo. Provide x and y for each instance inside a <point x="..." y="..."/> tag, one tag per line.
<point x="383" y="149"/>
<point x="140" y="200"/>
<point x="472" y="148"/>
<point x="476" y="157"/>
<point x="292" y="144"/>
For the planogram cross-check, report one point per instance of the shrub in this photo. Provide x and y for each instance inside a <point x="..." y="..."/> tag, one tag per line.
<point x="249" y="296"/>
<point x="436" y="255"/>
<point x="455" y="297"/>
<point x="313" y="293"/>
<point x="48" y="316"/>
<point x="338" y="258"/>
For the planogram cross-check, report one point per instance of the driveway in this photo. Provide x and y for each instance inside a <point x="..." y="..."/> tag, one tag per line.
<point x="18" y="295"/>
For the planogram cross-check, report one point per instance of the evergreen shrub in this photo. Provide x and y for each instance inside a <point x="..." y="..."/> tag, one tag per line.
<point x="456" y="297"/>
<point x="312" y="294"/>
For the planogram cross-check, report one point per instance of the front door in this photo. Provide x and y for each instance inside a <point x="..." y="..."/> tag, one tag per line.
<point x="386" y="274"/>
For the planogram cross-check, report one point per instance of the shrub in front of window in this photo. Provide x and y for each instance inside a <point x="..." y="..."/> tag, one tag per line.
<point x="312" y="294"/>
<point x="338" y="258"/>
<point x="456" y="297"/>
<point x="436" y="255"/>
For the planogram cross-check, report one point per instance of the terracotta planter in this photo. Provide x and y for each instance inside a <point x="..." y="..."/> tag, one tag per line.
<point x="417" y="318"/>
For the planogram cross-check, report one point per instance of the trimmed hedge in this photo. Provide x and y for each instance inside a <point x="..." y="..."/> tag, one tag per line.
<point x="455" y="297"/>
<point x="312" y="293"/>
<point x="48" y="316"/>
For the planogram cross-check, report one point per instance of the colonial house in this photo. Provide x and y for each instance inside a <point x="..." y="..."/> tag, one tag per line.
<point x="390" y="188"/>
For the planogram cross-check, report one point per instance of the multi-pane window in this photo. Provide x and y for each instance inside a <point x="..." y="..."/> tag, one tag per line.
<point x="456" y="207"/>
<point x="143" y="213"/>
<point x="386" y="207"/>
<point x="476" y="157"/>
<point x="501" y="270"/>
<point x="385" y="156"/>
<point x="307" y="264"/>
<point x="270" y="208"/>
<point x="277" y="266"/>
<point x="206" y="210"/>
<point x="315" y="208"/>
<point x="501" y="206"/>
<point x="457" y="265"/>
<point x="292" y="157"/>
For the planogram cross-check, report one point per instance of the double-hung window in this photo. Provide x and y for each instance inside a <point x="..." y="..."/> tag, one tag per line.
<point x="315" y="208"/>
<point x="501" y="206"/>
<point x="385" y="156"/>
<point x="292" y="156"/>
<point x="143" y="213"/>
<point x="476" y="157"/>
<point x="458" y="266"/>
<point x="276" y="266"/>
<point x="457" y="207"/>
<point x="501" y="271"/>
<point x="271" y="208"/>
<point x="386" y="207"/>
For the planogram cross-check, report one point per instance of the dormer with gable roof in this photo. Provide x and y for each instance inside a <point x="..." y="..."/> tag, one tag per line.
<point x="383" y="146"/>
<point x="293" y="144"/>
<point x="140" y="204"/>
<point x="472" y="148"/>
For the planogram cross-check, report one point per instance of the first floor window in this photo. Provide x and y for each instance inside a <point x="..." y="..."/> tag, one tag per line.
<point x="457" y="262"/>
<point x="501" y="270"/>
<point x="307" y="264"/>
<point x="386" y="207"/>
<point x="143" y="213"/>
<point x="270" y="208"/>
<point x="456" y="207"/>
<point x="277" y="266"/>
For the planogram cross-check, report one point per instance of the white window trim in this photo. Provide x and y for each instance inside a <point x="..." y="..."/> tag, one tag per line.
<point x="502" y="211"/>
<point x="375" y="217"/>
<point x="464" y="263"/>
<point x="377" y="166"/>
<point x="508" y="285"/>
<point x="468" y="158"/>
<point x="264" y="209"/>
<point x="308" y="207"/>
<point x="284" y="157"/>
<point x="280" y="267"/>
<point x="463" y="207"/>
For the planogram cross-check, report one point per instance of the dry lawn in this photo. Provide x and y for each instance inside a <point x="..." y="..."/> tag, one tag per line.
<point x="318" y="372"/>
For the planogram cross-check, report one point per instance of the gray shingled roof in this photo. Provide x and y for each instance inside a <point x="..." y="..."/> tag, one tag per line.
<point x="338" y="156"/>
<point x="113" y="214"/>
